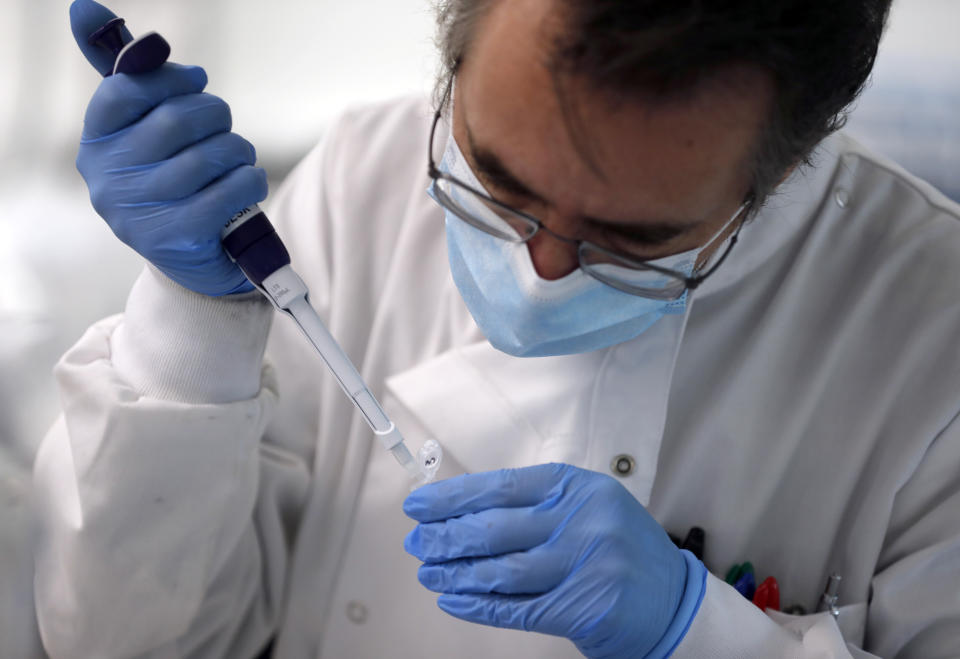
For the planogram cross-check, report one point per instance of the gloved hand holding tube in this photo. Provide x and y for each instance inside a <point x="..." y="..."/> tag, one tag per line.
<point x="162" y="165"/>
<point x="557" y="550"/>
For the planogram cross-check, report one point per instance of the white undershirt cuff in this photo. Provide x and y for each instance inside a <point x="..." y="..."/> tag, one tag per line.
<point x="175" y="344"/>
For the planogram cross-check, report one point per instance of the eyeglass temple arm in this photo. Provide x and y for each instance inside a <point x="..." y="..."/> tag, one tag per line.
<point x="694" y="282"/>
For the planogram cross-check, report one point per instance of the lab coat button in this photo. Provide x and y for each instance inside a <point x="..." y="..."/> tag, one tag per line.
<point x="842" y="197"/>
<point x="623" y="465"/>
<point x="356" y="613"/>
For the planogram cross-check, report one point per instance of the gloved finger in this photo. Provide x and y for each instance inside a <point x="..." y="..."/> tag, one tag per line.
<point x="507" y="611"/>
<point x="217" y="275"/>
<point x="86" y="17"/>
<point x="169" y="128"/>
<point x="122" y="99"/>
<point x="194" y="259"/>
<point x="520" y="573"/>
<point x="186" y="173"/>
<point x="227" y="196"/>
<point x="469" y="493"/>
<point x="487" y="533"/>
<point x="184" y="228"/>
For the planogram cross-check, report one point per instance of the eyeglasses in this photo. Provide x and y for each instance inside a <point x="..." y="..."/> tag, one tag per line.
<point x="621" y="271"/>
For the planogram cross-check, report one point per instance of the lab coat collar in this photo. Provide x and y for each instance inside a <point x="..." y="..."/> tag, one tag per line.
<point x="790" y="208"/>
<point x="490" y="410"/>
<point x="486" y="407"/>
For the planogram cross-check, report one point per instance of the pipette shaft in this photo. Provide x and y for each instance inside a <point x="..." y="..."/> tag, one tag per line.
<point x="251" y="241"/>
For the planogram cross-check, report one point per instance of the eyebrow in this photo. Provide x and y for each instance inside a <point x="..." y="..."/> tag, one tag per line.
<point x="492" y="168"/>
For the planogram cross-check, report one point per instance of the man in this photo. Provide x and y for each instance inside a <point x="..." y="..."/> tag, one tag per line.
<point x="731" y="319"/>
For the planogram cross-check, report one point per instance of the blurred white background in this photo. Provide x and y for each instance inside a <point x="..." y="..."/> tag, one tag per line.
<point x="286" y="67"/>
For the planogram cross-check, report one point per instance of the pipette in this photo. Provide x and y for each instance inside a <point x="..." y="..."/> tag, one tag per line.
<point x="252" y="243"/>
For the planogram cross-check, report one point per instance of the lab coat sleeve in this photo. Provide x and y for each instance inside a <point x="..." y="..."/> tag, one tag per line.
<point x="165" y="517"/>
<point x="729" y="625"/>
<point x="915" y="603"/>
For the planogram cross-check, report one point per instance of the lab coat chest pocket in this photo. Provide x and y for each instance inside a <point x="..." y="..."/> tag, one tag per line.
<point x="852" y="621"/>
<point x="818" y="630"/>
<point x="489" y="410"/>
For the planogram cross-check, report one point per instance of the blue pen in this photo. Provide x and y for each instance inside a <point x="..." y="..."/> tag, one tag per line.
<point x="746" y="585"/>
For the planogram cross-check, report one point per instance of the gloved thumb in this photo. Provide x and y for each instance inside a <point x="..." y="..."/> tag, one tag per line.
<point x="86" y="16"/>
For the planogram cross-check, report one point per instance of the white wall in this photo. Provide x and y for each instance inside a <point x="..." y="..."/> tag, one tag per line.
<point x="285" y="66"/>
<point x="911" y="111"/>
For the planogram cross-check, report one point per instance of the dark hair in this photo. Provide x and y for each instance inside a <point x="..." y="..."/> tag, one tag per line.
<point x="818" y="54"/>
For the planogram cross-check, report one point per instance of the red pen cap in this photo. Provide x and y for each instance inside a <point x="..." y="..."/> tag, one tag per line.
<point x="768" y="595"/>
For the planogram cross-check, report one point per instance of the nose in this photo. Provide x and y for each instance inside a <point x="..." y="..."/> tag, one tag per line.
<point x="552" y="258"/>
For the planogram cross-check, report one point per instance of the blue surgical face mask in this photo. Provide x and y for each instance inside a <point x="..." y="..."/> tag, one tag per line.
<point x="523" y="314"/>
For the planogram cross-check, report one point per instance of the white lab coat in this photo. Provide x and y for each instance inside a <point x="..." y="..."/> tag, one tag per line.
<point x="194" y="502"/>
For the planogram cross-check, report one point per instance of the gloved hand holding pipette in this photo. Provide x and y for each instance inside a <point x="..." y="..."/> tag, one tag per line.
<point x="172" y="181"/>
<point x="163" y="168"/>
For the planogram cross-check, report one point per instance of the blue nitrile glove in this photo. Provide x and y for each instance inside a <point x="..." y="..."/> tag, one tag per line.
<point x="162" y="166"/>
<point x="558" y="550"/>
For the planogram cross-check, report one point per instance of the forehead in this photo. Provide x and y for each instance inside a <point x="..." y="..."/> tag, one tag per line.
<point x="593" y="152"/>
